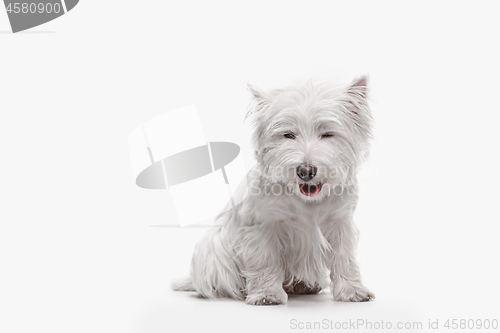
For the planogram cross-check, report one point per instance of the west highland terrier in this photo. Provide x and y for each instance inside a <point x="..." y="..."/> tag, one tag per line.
<point x="295" y="224"/>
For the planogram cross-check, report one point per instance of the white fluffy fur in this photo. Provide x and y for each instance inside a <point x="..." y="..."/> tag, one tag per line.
<point x="277" y="237"/>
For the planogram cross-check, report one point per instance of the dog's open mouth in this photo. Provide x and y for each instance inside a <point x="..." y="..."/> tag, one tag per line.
<point x="310" y="190"/>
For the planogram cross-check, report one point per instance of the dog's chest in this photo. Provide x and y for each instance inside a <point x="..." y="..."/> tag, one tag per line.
<point x="303" y="243"/>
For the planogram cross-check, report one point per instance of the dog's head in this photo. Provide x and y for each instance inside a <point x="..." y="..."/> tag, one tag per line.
<point x="313" y="137"/>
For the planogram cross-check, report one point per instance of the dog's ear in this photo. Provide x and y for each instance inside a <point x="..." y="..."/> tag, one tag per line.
<point x="356" y="102"/>
<point x="359" y="87"/>
<point x="257" y="93"/>
<point x="260" y="100"/>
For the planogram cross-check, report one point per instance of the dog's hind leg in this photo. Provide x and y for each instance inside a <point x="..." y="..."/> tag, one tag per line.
<point x="215" y="269"/>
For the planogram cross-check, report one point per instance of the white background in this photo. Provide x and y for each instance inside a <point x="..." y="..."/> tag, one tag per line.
<point x="77" y="253"/>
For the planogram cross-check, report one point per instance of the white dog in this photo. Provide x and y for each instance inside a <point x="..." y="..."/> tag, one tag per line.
<point x="295" y="223"/>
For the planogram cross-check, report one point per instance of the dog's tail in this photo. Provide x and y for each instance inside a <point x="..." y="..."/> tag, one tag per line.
<point x="185" y="284"/>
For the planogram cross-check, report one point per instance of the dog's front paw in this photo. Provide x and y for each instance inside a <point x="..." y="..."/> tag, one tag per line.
<point x="348" y="291"/>
<point x="266" y="299"/>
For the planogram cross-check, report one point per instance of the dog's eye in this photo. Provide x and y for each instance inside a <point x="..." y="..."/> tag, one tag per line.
<point x="289" y="135"/>
<point x="327" y="135"/>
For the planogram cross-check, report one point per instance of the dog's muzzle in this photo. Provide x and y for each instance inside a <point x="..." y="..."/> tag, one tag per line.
<point x="310" y="190"/>
<point x="306" y="172"/>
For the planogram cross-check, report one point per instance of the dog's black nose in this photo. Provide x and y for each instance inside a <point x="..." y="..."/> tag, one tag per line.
<point x="306" y="172"/>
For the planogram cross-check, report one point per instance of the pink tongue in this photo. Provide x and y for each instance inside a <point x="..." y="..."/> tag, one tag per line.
<point x="310" y="190"/>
